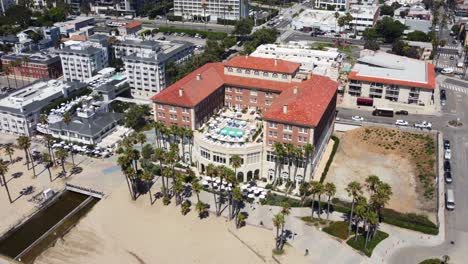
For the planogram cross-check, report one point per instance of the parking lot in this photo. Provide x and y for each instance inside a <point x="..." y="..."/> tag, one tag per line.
<point x="198" y="41"/>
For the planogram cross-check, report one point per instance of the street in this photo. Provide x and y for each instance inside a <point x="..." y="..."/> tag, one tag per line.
<point x="456" y="224"/>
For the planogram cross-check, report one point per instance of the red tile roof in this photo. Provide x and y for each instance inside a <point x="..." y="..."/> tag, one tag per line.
<point x="133" y="24"/>
<point x="307" y="106"/>
<point x="263" y="64"/>
<point x="194" y="90"/>
<point x="430" y="84"/>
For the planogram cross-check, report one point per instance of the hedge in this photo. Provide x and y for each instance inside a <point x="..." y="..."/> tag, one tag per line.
<point x="208" y="34"/>
<point x="410" y="221"/>
<point x="359" y="244"/>
<point x="330" y="160"/>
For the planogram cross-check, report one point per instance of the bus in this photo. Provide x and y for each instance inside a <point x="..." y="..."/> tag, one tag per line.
<point x="383" y="112"/>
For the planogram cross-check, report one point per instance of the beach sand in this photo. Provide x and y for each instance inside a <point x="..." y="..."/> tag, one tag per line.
<point x="118" y="230"/>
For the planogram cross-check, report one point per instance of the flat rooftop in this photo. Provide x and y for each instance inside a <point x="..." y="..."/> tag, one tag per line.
<point x="394" y="69"/>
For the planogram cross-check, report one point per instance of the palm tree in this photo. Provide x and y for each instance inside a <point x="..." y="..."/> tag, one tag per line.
<point x="204" y="6"/>
<point x="201" y="208"/>
<point x="290" y="154"/>
<point x="381" y="197"/>
<point x="126" y="164"/>
<point x="308" y="152"/>
<point x="285" y="211"/>
<point x="158" y="127"/>
<point x="9" y="151"/>
<point x="354" y="190"/>
<point x="360" y="215"/>
<point x="49" y="139"/>
<point x="320" y="190"/>
<point x="278" y="223"/>
<point x="61" y="154"/>
<point x="67" y="120"/>
<point x="159" y="156"/>
<point x="25" y="144"/>
<point x="47" y="161"/>
<point x="314" y="185"/>
<point x="330" y="190"/>
<point x="279" y="154"/>
<point x="236" y="162"/>
<point x="148" y="177"/>
<point x="372" y="182"/>
<point x="141" y="138"/>
<point x="178" y="188"/>
<point x="237" y="197"/>
<point x="189" y="135"/>
<point x="372" y="221"/>
<point x="3" y="171"/>
<point x="197" y="188"/>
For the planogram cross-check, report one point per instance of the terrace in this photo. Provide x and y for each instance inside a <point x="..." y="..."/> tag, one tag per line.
<point x="233" y="129"/>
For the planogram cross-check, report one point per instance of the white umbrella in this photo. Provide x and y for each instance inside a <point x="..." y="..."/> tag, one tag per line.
<point x="215" y="184"/>
<point x="66" y="147"/>
<point x="251" y="196"/>
<point x="204" y="182"/>
<point x="256" y="191"/>
<point x="230" y="184"/>
<point x="261" y="196"/>
<point x="218" y="180"/>
<point x="243" y="187"/>
<point x="264" y="193"/>
<point x="208" y="178"/>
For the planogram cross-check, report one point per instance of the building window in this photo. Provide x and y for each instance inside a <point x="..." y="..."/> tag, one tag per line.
<point x="287" y="127"/>
<point x="239" y="70"/>
<point x="173" y="109"/>
<point x="228" y="89"/>
<point x="238" y="90"/>
<point x="267" y="102"/>
<point x="273" y="125"/>
<point x="256" y="73"/>
<point x="284" y="76"/>
<point x="253" y="158"/>
<point x="238" y="98"/>
<point x="185" y="110"/>
<point x="161" y="107"/>
<point x="275" y="75"/>
<point x="287" y="136"/>
<point x="265" y="74"/>
<point x="173" y="117"/>
<point x="247" y="72"/>
<point x="205" y="154"/>
<point x="303" y="130"/>
<point x="253" y="100"/>
<point x="230" y="69"/>
<point x="253" y="93"/>
<point x="269" y="95"/>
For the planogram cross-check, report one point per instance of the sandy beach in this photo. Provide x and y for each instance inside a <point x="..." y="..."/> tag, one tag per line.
<point x="118" y="230"/>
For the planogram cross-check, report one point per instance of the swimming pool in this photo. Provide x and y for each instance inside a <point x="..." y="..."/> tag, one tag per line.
<point x="117" y="77"/>
<point x="231" y="131"/>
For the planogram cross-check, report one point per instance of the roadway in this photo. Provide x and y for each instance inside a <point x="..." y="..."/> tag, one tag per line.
<point x="456" y="224"/>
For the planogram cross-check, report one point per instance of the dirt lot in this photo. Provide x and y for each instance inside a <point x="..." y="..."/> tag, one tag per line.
<point x="404" y="160"/>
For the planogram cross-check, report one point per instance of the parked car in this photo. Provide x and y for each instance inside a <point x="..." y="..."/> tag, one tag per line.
<point x="451" y="57"/>
<point x="449" y="199"/>
<point x="401" y="112"/>
<point x="423" y="125"/>
<point x="446" y="144"/>
<point x="357" y="118"/>
<point x="400" y="122"/>
<point x="447" y="165"/>
<point x="448" y="177"/>
<point x="448" y="154"/>
<point x="447" y="71"/>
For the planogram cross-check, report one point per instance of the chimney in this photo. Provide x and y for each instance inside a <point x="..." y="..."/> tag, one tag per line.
<point x="295" y="90"/>
<point x="285" y="109"/>
<point x="276" y="62"/>
<point x="199" y="77"/>
<point x="181" y="91"/>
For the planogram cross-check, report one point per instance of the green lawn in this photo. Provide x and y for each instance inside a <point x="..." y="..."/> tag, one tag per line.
<point x="361" y="240"/>
<point x="337" y="229"/>
<point x="431" y="261"/>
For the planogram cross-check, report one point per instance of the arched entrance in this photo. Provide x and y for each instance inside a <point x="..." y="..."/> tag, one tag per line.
<point x="257" y="174"/>
<point x="202" y="168"/>
<point x="249" y="176"/>
<point x="187" y="157"/>
<point x="240" y="176"/>
<point x="271" y="174"/>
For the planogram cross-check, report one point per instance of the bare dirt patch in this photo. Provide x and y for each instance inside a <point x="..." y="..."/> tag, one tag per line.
<point x="405" y="160"/>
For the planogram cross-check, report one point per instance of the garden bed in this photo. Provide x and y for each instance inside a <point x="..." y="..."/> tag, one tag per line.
<point x="359" y="243"/>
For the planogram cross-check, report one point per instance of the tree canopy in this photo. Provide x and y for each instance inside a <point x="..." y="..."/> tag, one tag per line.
<point x="418" y="36"/>
<point x="135" y="117"/>
<point x="401" y="48"/>
<point x="389" y="29"/>
<point x="243" y="26"/>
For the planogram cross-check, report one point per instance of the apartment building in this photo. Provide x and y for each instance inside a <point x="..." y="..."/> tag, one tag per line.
<point x="341" y="5"/>
<point x="36" y="66"/>
<point x="205" y="10"/>
<point x="364" y="16"/>
<point x="380" y="77"/>
<point x="145" y="63"/>
<point x="290" y="109"/>
<point x="82" y="60"/>
<point x="20" y="111"/>
<point x="74" y="25"/>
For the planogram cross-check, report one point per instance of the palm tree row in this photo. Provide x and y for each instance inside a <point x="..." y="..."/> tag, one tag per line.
<point x="288" y="152"/>
<point x="367" y="211"/>
<point x="317" y="189"/>
<point x="172" y="135"/>
<point x="223" y="173"/>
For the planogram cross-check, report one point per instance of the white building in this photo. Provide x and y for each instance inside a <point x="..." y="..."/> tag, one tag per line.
<point x="193" y="9"/>
<point x="364" y="16"/>
<point x="381" y="77"/>
<point x="74" y="25"/>
<point x="82" y="60"/>
<point x="341" y="5"/>
<point x="321" y="62"/>
<point x="20" y="111"/>
<point x="145" y="63"/>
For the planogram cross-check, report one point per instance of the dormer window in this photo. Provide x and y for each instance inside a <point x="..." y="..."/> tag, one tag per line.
<point x="247" y="71"/>
<point x="239" y="70"/>
<point x="257" y="73"/>
<point x="265" y="74"/>
<point x="230" y="69"/>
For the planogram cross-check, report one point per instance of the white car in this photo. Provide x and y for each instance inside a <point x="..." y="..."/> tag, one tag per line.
<point x="357" y="118"/>
<point x="401" y="123"/>
<point x="423" y="124"/>
<point x="448" y="154"/>
<point x="447" y="70"/>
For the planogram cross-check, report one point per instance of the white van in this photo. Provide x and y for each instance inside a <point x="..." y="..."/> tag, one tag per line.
<point x="449" y="200"/>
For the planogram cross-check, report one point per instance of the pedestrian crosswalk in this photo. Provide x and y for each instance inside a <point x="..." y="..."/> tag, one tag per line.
<point x="450" y="47"/>
<point x="455" y="88"/>
<point x="444" y="65"/>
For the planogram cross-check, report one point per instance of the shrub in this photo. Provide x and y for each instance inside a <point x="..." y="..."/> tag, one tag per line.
<point x="330" y="160"/>
<point x="431" y="261"/>
<point x="372" y="243"/>
<point x="337" y="229"/>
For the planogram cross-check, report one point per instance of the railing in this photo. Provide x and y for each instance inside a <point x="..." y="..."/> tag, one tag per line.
<point x="87" y="191"/>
